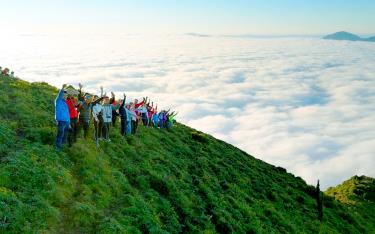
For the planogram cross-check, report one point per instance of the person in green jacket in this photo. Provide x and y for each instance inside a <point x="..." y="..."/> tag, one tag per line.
<point x="170" y="119"/>
<point x="85" y="109"/>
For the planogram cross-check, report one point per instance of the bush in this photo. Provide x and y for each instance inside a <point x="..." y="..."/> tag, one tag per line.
<point x="198" y="136"/>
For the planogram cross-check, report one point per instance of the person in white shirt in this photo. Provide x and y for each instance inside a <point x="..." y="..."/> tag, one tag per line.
<point x="97" y="114"/>
<point x="107" y="109"/>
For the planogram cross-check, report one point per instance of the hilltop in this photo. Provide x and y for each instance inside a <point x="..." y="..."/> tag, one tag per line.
<point x="358" y="193"/>
<point x="346" y="36"/>
<point x="177" y="181"/>
<point x="358" y="189"/>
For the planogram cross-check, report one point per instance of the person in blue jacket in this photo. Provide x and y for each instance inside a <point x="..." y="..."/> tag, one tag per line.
<point x="62" y="118"/>
<point x="129" y="115"/>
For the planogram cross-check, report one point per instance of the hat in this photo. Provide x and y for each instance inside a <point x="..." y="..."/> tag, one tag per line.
<point x="72" y="92"/>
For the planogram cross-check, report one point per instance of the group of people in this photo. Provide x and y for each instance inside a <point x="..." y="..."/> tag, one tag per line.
<point x="6" y="72"/>
<point x="75" y="110"/>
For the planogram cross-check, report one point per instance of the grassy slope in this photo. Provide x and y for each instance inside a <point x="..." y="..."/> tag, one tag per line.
<point x="358" y="193"/>
<point x="154" y="182"/>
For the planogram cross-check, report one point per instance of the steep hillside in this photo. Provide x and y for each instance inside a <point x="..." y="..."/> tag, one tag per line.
<point x="178" y="181"/>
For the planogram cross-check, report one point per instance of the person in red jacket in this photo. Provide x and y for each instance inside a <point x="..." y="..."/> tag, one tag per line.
<point x="136" y="105"/>
<point x="73" y="114"/>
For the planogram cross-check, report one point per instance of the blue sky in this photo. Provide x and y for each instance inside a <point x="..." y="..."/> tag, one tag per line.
<point x="180" y="16"/>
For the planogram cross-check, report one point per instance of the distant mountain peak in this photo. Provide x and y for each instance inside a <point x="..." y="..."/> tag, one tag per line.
<point x="198" y="35"/>
<point x="347" y="36"/>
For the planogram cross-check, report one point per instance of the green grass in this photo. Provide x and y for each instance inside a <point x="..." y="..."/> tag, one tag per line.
<point x="358" y="193"/>
<point x="158" y="181"/>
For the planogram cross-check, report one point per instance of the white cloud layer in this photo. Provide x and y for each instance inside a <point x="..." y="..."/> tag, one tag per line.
<point x="304" y="104"/>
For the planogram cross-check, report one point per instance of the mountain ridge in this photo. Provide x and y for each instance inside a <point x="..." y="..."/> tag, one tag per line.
<point x="177" y="181"/>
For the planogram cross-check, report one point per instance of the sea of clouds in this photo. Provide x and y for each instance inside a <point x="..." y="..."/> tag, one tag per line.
<point x="305" y="104"/>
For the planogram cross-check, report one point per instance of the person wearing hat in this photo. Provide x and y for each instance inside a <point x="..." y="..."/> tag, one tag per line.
<point x="97" y="113"/>
<point x="85" y="109"/>
<point x="107" y="117"/>
<point x="62" y="118"/>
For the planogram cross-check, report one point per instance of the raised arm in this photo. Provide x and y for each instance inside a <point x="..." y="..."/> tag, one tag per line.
<point x="98" y="100"/>
<point x="147" y="102"/>
<point x="123" y="103"/>
<point x="112" y="100"/>
<point x="80" y="96"/>
<point x="140" y="104"/>
<point x="60" y="95"/>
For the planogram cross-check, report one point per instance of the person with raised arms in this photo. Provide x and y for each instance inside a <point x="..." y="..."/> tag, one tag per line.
<point x="62" y="118"/>
<point x="150" y="112"/>
<point x="73" y="113"/>
<point x="97" y="113"/>
<point x="108" y="109"/>
<point x="161" y="119"/>
<point x="107" y="117"/>
<point x="116" y="106"/>
<point x="144" y="113"/>
<point x="127" y="118"/>
<point x="135" y="107"/>
<point x="134" y="115"/>
<point x="155" y="117"/>
<point x="123" y="117"/>
<point x="130" y="115"/>
<point x="170" y="119"/>
<point x="85" y="109"/>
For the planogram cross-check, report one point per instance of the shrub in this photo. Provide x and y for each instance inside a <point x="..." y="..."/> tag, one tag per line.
<point x="200" y="137"/>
